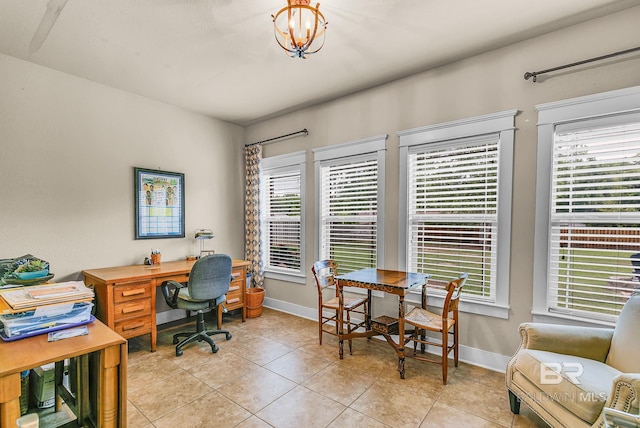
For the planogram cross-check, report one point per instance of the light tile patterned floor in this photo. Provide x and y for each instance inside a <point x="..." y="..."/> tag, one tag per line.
<point x="273" y="373"/>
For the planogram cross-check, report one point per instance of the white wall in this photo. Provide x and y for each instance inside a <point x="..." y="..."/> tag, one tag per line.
<point x="476" y="86"/>
<point x="67" y="151"/>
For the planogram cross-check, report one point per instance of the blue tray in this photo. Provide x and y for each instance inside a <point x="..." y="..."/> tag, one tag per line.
<point x="45" y="330"/>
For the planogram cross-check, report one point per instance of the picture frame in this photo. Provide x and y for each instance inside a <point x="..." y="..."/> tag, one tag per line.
<point x="159" y="204"/>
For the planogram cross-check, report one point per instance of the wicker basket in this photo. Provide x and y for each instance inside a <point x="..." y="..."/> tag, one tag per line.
<point x="255" y="297"/>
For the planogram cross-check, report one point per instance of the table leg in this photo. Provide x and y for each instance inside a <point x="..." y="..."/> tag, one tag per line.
<point x="401" y="336"/>
<point x="82" y="398"/>
<point x="10" y="390"/>
<point x="368" y="315"/>
<point x="340" y="321"/>
<point x="154" y="333"/>
<point x="109" y="387"/>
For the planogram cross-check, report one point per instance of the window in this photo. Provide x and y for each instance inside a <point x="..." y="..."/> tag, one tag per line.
<point x="589" y="184"/>
<point x="350" y="190"/>
<point x="456" y="181"/>
<point x="282" y="185"/>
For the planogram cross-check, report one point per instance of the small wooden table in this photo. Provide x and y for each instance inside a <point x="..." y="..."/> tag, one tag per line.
<point x="108" y="372"/>
<point x="388" y="281"/>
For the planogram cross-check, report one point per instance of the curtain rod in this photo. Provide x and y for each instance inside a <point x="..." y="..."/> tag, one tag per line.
<point x="534" y="74"/>
<point x="302" y="131"/>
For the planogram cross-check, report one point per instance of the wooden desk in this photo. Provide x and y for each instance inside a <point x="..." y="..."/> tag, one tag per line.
<point x="109" y="356"/>
<point x="126" y="295"/>
<point x="388" y="281"/>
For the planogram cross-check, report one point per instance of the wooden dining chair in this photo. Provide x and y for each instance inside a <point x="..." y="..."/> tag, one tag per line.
<point x="445" y="324"/>
<point x="324" y="272"/>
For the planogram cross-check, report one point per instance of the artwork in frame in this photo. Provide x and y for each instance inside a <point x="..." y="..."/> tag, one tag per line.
<point x="159" y="204"/>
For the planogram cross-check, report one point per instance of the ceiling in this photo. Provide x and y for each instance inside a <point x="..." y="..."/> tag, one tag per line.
<point x="220" y="58"/>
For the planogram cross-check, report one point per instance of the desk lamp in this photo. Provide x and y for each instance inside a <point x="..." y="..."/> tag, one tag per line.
<point x="202" y="235"/>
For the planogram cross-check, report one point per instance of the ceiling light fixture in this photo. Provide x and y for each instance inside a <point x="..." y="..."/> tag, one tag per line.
<point x="299" y="28"/>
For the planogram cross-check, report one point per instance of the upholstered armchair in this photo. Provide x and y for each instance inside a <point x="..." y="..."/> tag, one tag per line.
<point x="568" y="375"/>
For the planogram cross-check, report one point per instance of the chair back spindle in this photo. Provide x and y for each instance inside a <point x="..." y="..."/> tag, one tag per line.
<point x="454" y="289"/>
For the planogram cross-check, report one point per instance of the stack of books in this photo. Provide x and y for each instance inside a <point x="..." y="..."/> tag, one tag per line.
<point x="29" y="311"/>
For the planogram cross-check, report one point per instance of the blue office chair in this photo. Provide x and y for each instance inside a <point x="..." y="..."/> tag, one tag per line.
<point x="206" y="289"/>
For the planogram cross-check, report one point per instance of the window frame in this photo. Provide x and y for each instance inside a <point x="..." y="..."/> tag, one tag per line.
<point x="372" y="147"/>
<point x="502" y="124"/>
<point x="283" y="163"/>
<point x="550" y="115"/>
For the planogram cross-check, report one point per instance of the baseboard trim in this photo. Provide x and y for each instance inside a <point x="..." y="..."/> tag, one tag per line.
<point x="477" y="357"/>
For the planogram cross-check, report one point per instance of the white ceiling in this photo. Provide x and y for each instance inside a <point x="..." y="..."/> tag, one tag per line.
<point x="219" y="57"/>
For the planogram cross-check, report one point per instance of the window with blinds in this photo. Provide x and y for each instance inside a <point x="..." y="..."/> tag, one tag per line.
<point x="281" y="219"/>
<point x="348" y="212"/>
<point x="453" y="212"/>
<point x="594" y="238"/>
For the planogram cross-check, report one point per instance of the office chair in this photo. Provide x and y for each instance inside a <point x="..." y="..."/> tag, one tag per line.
<point x="206" y="289"/>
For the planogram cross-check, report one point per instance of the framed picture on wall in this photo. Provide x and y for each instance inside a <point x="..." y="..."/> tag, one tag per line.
<point x="159" y="204"/>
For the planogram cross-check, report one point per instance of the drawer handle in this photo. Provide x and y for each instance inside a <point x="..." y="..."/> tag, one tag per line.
<point x="132" y="327"/>
<point x="233" y="300"/>
<point x="133" y="292"/>
<point x="130" y="309"/>
<point x="234" y="288"/>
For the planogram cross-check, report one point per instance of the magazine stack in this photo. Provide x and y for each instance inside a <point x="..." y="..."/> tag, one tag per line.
<point x="29" y="311"/>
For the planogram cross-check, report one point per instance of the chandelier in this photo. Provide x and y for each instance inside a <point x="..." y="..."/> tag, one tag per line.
<point x="299" y="28"/>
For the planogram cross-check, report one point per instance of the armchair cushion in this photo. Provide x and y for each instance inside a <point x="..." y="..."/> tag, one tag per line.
<point x="581" y="385"/>
<point x="625" y="345"/>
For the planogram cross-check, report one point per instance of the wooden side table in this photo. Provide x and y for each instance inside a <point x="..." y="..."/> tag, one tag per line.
<point x="108" y="371"/>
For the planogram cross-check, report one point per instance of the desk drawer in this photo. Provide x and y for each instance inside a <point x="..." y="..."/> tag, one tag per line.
<point x="133" y="327"/>
<point x="235" y="293"/>
<point x="131" y="291"/>
<point x="134" y="308"/>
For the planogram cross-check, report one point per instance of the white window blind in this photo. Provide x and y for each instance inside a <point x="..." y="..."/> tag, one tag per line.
<point x="453" y="206"/>
<point x="282" y="203"/>
<point x="348" y="212"/>
<point x="594" y="242"/>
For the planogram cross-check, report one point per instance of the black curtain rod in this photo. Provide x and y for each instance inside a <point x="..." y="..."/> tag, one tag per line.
<point x="302" y="131"/>
<point x="534" y="74"/>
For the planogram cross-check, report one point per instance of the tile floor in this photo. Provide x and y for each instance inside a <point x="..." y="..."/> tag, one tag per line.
<point x="273" y="373"/>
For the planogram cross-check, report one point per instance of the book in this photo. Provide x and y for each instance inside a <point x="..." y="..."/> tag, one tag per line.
<point x="46" y="294"/>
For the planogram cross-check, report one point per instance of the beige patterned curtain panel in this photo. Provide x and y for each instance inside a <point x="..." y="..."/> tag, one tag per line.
<point x="252" y="246"/>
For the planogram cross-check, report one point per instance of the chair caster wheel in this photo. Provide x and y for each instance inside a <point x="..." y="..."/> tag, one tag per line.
<point x="175" y="340"/>
<point x="228" y="336"/>
<point x="178" y="352"/>
<point x="214" y="349"/>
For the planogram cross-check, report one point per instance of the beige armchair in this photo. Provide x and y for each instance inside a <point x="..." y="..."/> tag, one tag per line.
<point x="568" y="375"/>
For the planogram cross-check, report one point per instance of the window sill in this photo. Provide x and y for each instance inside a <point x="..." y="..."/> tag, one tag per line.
<point x="466" y="306"/>
<point x="558" y="318"/>
<point x="298" y="279"/>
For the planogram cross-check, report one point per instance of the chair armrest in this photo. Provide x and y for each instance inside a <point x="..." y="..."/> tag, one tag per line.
<point x="587" y="342"/>
<point x="624" y="400"/>
<point x="171" y="296"/>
